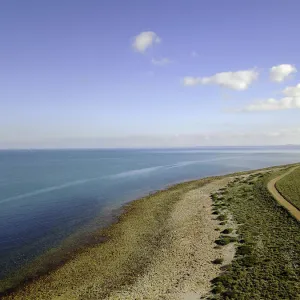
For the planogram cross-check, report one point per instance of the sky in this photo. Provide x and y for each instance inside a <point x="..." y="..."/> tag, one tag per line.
<point x="86" y="74"/>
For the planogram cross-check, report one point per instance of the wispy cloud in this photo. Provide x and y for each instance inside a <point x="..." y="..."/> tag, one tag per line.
<point x="161" y="61"/>
<point x="273" y="104"/>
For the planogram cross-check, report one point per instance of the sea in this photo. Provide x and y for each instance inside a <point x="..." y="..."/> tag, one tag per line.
<point x="48" y="196"/>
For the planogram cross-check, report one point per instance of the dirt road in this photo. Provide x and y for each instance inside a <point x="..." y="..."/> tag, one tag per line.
<point x="272" y="189"/>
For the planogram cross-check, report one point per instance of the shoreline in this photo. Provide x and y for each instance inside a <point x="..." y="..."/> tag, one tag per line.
<point x="129" y="210"/>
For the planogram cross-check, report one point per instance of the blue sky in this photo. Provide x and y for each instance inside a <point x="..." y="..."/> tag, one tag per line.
<point x="149" y="73"/>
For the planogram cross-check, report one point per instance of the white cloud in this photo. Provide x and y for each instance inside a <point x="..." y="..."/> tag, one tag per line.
<point x="273" y="104"/>
<point x="239" y="80"/>
<point x="144" y="40"/>
<point x="161" y="61"/>
<point x="281" y="72"/>
<point x="190" y="81"/>
<point x="292" y="91"/>
<point x="291" y="100"/>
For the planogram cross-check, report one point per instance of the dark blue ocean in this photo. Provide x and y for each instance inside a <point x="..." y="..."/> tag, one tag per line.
<point x="48" y="195"/>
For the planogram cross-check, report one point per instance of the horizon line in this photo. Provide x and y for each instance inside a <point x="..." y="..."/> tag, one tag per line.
<point x="148" y="148"/>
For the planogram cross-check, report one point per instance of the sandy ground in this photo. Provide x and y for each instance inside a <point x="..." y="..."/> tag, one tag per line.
<point x="183" y="268"/>
<point x="289" y="206"/>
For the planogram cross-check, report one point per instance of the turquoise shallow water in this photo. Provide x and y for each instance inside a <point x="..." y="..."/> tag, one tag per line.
<point x="47" y="195"/>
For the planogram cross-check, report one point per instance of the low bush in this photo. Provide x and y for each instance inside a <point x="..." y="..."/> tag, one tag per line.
<point x="218" y="261"/>
<point x="244" y="250"/>
<point x="222" y="217"/>
<point x="227" y="231"/>
<point x="225" y="240"/>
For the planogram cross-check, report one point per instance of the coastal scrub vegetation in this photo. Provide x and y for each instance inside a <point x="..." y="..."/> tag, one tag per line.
<point x="266" y="264"/>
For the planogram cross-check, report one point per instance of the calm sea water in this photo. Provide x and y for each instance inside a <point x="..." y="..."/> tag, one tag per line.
<point x="47" y="195"/>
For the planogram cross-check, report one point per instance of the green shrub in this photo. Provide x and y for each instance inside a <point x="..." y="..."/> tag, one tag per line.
<point x="233" y="239"/>
<point x="248" y="261"/>
<point x="244" y="250"/>
<point x="218" y="261"/>
<point x="222" y="217"/>
<point x="218" y="289"/>
<point x="227" y="231"/>
<point x="224" y="240"/>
